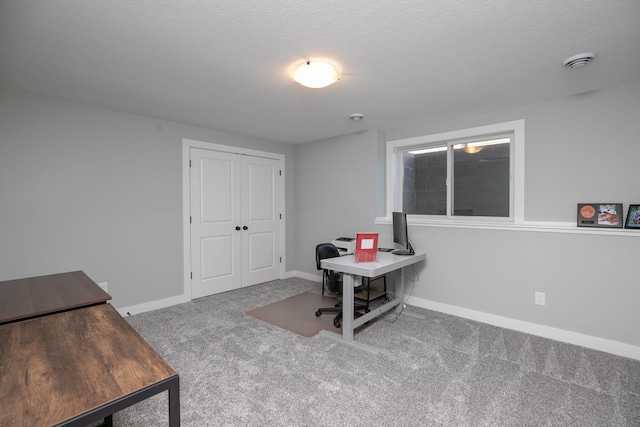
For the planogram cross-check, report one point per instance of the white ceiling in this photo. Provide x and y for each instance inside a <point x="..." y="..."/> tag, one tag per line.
<point x="225" y="64"/>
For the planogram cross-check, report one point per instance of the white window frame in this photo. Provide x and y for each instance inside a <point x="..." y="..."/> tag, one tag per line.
<point x="394" y="159"/>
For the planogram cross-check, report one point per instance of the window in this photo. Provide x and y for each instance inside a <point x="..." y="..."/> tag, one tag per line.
<point x="458" y="175"/>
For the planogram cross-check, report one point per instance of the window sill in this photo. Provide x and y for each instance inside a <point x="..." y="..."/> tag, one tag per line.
<point x="535" y="226"/>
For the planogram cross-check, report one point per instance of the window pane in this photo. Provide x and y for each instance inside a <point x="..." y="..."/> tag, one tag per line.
<point x="424" y="185"/>
<point x="481" y="180"/>
<point x="470" y="173"/>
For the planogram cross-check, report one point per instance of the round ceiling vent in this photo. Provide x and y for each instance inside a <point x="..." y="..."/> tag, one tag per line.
<point x="356" y="117"/>
<point x="579" y="61"/>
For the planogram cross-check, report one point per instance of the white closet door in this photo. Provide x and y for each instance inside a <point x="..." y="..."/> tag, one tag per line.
<point x="215" y="213"/>
<point x="235" y="214"/>
<point x="261" y="217"/>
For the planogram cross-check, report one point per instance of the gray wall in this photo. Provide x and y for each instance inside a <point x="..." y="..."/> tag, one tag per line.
<point x="336" y="181"/>
<point x="579" y="149"/>
<point x="84" y="188"/>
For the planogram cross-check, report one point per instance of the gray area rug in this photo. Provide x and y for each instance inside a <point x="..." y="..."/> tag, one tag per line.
<point x="236" y="370"/>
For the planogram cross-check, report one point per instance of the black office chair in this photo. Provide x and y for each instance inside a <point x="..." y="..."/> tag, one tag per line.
<point x="332" y="281"/>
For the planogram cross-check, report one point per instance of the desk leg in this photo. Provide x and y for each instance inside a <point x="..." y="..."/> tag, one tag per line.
<point x="347" y="307"/>
<point x="400" y="289"/>
<point x="174" y="403"/>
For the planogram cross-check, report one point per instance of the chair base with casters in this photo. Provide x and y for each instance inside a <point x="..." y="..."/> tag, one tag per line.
<point x="333" y="282"/>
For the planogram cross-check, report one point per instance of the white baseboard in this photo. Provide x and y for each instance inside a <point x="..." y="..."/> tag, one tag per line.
<point x="312" y="277"/>
<point x="152" y="305"/>
<point x="608" y="346"/>
<point x="289" y="274"/>
<point x="181" y="299"/>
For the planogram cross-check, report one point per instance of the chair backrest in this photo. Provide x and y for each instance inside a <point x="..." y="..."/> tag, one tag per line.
<point x="324" y="251"/>
<point x="333" y="279"/>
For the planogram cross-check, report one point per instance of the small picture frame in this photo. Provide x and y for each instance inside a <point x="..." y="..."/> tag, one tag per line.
<point x="606" y="215"/>
<point x="633" y="217"/>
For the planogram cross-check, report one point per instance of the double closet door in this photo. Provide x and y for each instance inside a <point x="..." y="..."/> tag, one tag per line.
<point x="235" y="221"/>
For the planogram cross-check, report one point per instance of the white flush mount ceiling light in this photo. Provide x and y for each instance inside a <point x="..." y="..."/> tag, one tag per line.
<point x="315" y="74"/>
<point x="356" y="117"/>
<point x="578" y="61"/>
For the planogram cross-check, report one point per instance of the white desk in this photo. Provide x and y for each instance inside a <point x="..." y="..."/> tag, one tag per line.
<point x="385" y="263"/>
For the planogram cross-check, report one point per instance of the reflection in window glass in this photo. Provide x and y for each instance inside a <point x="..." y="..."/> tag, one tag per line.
<point x="481" y="180"/>
<point x="424" y="189"/>
<point x="480" y="171"/>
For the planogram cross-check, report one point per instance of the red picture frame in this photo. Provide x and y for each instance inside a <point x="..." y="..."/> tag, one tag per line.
<point x="366" y="247"/>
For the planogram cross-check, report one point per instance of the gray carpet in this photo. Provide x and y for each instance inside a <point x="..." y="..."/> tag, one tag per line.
<point x="236" y="370"/>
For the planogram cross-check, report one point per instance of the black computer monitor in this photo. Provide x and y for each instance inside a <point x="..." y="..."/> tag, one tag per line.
<point x="400" y="234"/>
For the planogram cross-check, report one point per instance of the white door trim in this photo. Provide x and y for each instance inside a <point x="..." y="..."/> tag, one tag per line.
<point x="187" y="144"/>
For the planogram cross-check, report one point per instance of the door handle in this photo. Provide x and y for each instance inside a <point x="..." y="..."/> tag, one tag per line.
<point x="245" y="228"/>
<point x="237" y="227"/>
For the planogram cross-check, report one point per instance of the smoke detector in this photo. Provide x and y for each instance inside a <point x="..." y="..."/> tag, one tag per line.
<point x="578" y="61"/>
<point x="356" y="117"/>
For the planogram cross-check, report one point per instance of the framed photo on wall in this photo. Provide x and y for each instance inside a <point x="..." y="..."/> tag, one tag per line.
<point x="607" y="215"/>
<point x="633" y="217"/>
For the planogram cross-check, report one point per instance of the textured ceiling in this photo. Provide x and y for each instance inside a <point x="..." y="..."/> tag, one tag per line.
<point x="225" y="64"/>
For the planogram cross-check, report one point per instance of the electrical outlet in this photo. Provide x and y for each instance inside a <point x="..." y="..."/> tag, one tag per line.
<point x="540" y="298"/>
<point x="104" y="286"/>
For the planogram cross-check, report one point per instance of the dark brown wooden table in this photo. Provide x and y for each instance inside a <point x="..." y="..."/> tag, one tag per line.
<point x="37" y="296"/>
<point x="77" y="367"/>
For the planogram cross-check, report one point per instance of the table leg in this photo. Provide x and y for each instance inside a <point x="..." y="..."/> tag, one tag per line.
<point x="400" y="289"/>
<point x="174" y="403"/>
<point x="347" y="307"/>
